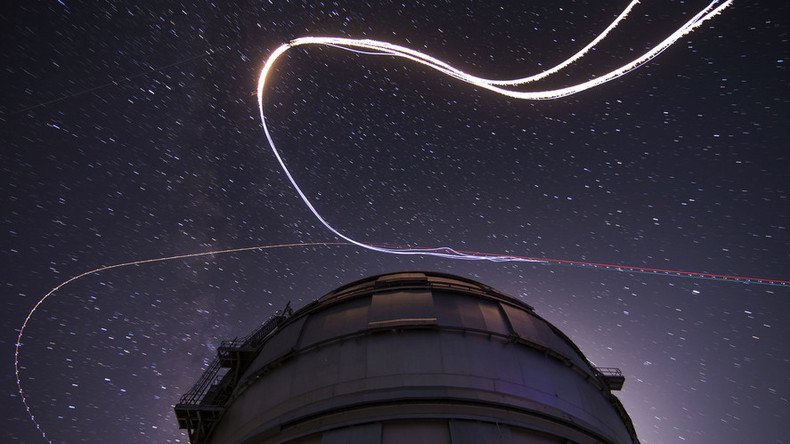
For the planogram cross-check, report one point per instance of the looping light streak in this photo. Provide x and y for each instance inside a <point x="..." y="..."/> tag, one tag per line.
<point x="713" y="9"/>
<point x="376" y="47"/>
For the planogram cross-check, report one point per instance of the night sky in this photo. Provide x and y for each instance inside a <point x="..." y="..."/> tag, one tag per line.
<point x="131" y="132"/>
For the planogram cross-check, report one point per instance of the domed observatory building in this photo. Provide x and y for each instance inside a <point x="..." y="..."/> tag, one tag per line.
<point x="406" y="358"/>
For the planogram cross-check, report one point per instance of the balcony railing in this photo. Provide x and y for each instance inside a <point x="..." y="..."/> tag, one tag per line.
<point x="612" y="376"/>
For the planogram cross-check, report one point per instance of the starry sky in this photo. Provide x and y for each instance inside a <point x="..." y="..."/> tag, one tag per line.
<point x="131" y="132"/>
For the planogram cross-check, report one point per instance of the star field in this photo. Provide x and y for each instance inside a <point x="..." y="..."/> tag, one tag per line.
<point x="131" y="132"/>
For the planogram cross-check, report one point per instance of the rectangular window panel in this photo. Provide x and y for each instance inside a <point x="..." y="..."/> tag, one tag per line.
<point x="404" y="306"/>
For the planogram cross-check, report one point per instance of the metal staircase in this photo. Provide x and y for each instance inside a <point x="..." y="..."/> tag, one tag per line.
<point x="201" y="407"/>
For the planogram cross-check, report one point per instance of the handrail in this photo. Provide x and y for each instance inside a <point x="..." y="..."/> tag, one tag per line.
<point x="196" y="396"/>
<point x="609" y="371"/>
<point x="198" y="391"/>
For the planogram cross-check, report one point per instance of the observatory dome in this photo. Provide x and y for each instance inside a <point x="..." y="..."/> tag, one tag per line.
<point x="406" y="357"/>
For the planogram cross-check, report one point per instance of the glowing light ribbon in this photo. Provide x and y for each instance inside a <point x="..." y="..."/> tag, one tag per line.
<point x="379" y="47"/>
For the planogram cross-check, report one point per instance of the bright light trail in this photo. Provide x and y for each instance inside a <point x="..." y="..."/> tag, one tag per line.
<point x="367" y="45"/>
<point x="376" y="47"/>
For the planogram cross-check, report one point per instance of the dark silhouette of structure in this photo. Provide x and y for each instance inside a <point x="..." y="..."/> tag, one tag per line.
<point x="406" y="358"/>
